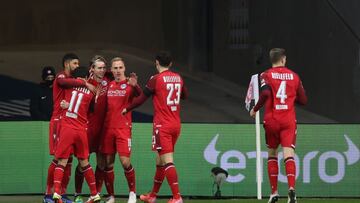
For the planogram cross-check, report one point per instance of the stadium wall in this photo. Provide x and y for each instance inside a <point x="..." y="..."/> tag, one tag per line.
<point x="328" y="160"/>
<point x="321" y="39"/>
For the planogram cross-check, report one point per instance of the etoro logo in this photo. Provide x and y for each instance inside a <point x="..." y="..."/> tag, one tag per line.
<point x="343" y="159"/>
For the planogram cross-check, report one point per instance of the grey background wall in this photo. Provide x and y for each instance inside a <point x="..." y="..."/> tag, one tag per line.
<point x="229" y="38"/>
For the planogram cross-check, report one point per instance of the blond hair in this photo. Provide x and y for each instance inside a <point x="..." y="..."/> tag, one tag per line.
<point x="117" y="59"/>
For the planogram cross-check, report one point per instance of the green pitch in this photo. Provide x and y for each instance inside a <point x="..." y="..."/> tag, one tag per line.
<point x="38" y="199"/>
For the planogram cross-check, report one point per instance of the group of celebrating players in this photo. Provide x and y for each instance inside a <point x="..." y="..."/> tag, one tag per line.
<point x="92" y="113"/>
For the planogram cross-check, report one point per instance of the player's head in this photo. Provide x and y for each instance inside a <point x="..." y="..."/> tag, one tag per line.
<point x="81" y="72"/>
<point x="98" y="66"/>
<point x="118" y="68"/>
<point x="277" y="57"/>
<point x="70" y="62"/>
<point x="163" y="59"/>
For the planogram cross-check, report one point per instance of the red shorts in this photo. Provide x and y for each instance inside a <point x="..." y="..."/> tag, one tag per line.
<point x="116" y="140"/>
<point x="94" y="139"/>
<point x="54" y="128"/>
<point x="280" y="133"/>
<point x="72" y="140"/>
<point x="164" y="139"/>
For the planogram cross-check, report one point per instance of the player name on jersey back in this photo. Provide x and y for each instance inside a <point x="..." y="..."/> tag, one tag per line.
<point x="282" y="76"/>
<point x="171" y="79"/>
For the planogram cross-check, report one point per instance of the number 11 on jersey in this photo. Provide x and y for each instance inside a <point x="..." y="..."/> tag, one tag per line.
<point x="78" y="97"/>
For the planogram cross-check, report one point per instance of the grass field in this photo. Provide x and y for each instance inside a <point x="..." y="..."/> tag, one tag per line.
<point x="38" y="199"/>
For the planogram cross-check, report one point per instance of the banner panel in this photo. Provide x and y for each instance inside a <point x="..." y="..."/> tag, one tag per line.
<point x="327" y="158"/>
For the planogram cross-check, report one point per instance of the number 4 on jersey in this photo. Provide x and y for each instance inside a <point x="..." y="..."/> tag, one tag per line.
<point x="281" y="93"/>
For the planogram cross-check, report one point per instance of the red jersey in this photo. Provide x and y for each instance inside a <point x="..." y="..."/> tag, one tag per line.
<point x="119" y="95"/>
<point x="97" y="116"/>
<point x="79" y="99"/>
<point x="166" y="88"/>
<point x="62" y="81"/>
<point x="284" y="85"/>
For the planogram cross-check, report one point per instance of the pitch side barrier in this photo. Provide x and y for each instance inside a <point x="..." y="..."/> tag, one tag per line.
<point x="327" y="157"/>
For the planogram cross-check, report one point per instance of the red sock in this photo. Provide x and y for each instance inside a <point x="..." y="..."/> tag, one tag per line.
<point x="50" y="177"/>
<point x="172" y="178"/>
<point x="109" y="180"/>
<point x="130" y="177"/>
<point x="58" y="177"/>
<point x="99" y="176"/>
<point x="90" y="179"/>
<point x="158" y="179"/>
<point x="273" y="171"/>
<point x="66" y="177"/>
<point x="79" y="179"/>
<point x="290" y="171"/>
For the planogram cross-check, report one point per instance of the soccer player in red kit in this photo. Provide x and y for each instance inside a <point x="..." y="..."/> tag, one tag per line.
<point x="280" y="89"/>
<point x="73" y="137"/>
<point x="166" y="89"/>
<point x="62" y="81"/>
<point x="96" y="118"/>
<point x="117" y="128"/>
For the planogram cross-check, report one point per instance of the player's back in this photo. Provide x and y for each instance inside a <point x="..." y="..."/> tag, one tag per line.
<point x="284" y="84"/>
<point x="166" y="98"/>
<point x="79" y="99"/>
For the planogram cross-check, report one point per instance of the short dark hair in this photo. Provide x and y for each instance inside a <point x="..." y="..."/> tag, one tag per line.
<point x="80" y="72"/>
<point x="69" y="57"/>
<point x="164" y="58"/>
<point x="276" y="54"/>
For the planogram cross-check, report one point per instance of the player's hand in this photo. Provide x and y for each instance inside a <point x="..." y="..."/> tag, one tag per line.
<point x="91" y="87"/>
<point x="91" y="74"/>
<point x="97" y="92"/>
<point x="252" y="113"/>
<point x="132" y="80"/>
<point x="64" y="104"/>
<point x="124" y="111"/>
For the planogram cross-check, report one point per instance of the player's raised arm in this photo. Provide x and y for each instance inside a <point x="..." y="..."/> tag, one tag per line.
<point x="138" y="101"/>
<point x="132" y="81"/>
<point x="70" y="82"/>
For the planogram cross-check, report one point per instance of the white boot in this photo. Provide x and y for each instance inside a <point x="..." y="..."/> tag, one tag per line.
<point x="110" y="199"/>
<point x="132" y="197"/>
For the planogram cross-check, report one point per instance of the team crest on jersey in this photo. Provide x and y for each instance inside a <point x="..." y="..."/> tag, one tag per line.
<point x="123" y="86"/>
<point x="104" y="83"/>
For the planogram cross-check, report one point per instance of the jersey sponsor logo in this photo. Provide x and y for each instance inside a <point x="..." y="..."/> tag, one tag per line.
<point x="343" y="159"/>
<point x="123" y="86"/>
<point x="44" y="97"/>
<point x="116" y="93"/>
<point x="282" y="76"/>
